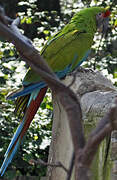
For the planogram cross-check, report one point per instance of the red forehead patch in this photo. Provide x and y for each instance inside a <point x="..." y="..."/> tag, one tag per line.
<point x="106" y="14"/>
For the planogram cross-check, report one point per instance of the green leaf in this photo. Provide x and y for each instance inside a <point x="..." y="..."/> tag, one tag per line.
<point x="115" y="24"/>
<point x="29" y="20"/>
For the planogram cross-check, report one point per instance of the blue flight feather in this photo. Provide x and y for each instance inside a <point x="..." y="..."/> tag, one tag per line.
<point x="8" y="159"/>
<point x="33" y="95"/>
<point x="28" y="90"/>
<point x="15" y="136"/>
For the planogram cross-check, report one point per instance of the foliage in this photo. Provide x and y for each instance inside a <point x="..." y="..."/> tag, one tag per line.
<point x="39" y="25"/>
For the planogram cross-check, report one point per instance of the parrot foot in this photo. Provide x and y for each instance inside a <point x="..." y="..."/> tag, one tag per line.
<point x="82" y="70"/>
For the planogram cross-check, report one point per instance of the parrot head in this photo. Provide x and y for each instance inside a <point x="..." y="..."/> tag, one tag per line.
<point x="96" y="18"/>
<point x="102" y="21"/>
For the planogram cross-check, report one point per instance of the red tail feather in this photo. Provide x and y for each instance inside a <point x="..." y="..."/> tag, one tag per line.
<point x="32" y="109"/>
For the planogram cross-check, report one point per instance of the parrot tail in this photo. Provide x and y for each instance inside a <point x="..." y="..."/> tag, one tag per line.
<point x="30" y="111"/>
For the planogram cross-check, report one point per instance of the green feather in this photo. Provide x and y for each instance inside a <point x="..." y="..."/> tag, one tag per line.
<point x="75" y="38"/>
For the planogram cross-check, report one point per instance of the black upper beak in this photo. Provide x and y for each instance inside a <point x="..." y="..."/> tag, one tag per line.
<point x="102" y="25"/>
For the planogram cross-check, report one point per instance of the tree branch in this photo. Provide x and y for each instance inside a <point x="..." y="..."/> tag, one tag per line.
<point x="41" y="162"/>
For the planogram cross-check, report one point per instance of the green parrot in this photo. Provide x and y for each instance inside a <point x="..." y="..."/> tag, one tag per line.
<point x="64" y="52"/>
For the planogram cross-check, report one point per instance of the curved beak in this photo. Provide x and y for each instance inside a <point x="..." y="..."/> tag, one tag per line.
<point x="105" y="25"/>
<point x="102" y="25"/>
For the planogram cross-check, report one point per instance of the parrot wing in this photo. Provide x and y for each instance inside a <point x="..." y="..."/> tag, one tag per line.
<point x="61" y="51"/>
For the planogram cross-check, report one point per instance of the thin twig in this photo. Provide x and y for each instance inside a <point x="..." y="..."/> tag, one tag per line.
<point x="43" y="163"/>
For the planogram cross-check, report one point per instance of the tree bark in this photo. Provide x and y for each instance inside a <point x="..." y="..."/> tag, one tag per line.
<point x="96" y="94"/>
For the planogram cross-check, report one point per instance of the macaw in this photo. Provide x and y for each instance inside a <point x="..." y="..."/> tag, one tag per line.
<point x="64" y="52"/>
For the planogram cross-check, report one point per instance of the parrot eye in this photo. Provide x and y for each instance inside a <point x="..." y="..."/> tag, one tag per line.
<point x="100" y="14"/>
